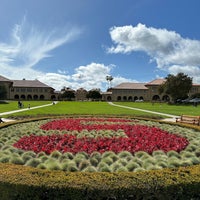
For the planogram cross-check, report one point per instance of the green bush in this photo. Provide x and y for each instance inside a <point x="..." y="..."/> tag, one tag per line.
<point x="52" y="165"/>
<point x="90" y="169"/>
<point x="83" y="164"/>
<point x="115" y="166"/>
<point x="16" y="160"/>
<point x="124" y="154"/>
<point x="107" y="160"/>
<point x="34" y="162"/>
<point x="56" y="154"/>
<point x="93" y="161"/>
<point x="131" y="166"/>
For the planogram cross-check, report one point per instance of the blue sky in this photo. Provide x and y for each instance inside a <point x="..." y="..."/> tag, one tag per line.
<point x="77" y="43"/>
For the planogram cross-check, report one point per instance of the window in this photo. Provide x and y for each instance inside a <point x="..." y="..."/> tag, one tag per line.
<point x="35" y="90"/>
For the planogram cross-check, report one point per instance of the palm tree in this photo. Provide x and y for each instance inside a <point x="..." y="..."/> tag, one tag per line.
<point x="109" y="78"/>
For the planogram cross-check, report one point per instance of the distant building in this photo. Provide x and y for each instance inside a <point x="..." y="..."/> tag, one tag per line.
<point x="81" y="94"/>
<point x="141" y="91"/>
<point x="7" y="84"/>
<point x="27" y="90"/>
<point x="36" y="90"/>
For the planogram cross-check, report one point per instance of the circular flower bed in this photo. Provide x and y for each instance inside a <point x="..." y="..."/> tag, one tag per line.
<point x="99" y="144"/>
<point x="136" y="138"/>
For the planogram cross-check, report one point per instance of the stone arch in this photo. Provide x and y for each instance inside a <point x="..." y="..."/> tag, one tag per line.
<point x="16" y="96"/>
<point x="42" y="97"/>
<point x="53" y="97"/>
<point x="23" y="96"/>
<point x="156" y="98"/>
<point x="29" y="97"/>
<point x="166" y="98"/>
<point x="130" y="98"/>
<point x="135" y="98"/>
<point x="109" y="98"/>
<point x="124" y="98"/>
<point x="35" y="97"/>
<point x="119" y="98"/>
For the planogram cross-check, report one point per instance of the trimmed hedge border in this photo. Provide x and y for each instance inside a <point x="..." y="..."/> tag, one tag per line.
<point x="20" y="182"/>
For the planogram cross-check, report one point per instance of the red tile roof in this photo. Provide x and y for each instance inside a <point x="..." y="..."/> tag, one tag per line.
<point x="135" y="86"/>
<point x="29" y="83"/>
<point x="3" y="79"/>
<point x="156" y="82"/>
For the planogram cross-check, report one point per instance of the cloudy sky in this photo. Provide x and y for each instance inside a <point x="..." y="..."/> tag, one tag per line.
<point x="77" y="43"/>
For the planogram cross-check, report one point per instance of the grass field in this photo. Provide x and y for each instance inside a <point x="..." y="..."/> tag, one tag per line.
<point x="100" y="108"/>
<point x="13" y="105"/>
<point x="178" y="109"/>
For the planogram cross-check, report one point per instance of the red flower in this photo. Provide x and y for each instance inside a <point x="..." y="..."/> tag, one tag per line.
<point x="139" y="137"/>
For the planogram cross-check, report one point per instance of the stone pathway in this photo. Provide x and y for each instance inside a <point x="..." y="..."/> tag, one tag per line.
<point x="171" y="118"/>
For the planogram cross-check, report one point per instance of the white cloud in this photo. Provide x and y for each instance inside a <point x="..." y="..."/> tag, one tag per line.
<point x="167" y="48"/>
<point x="88" y="77"/>
<point x="28" y="45"/>
<point x="118" y="79"/>
<point x="192" y="71"/>
<point x="57" y="81"/>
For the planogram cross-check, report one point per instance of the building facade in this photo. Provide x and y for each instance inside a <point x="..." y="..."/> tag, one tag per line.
<point x="27" y="90"/>
<point x="141" y="91"/>
<point x="36" y="90"/>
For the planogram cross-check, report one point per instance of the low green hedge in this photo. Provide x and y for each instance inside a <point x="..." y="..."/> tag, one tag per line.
<point x="19" y="182"/>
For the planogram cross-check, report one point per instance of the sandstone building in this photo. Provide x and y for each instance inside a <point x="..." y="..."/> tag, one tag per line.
<point x="27" y="90"/>
<point x="141" y="91"/>
<point x="36" y="90"/>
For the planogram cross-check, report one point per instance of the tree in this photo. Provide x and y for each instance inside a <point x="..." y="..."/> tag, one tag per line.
<point x="68" y="95"/>
<point x="177" y="86"/>
<point x="109" y="78"/>
<point x="3" y="92"/>
<point x="94" y="94"/>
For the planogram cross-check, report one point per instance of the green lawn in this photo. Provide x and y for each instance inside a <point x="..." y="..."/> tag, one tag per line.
<point x="71" y="107"/>
<point x="188" y="109"/>
<point x="13" y="105"/>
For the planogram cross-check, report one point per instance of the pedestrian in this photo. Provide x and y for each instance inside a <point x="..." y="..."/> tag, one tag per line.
<point x="29" y="106"/>
<point x="19" y="104"/>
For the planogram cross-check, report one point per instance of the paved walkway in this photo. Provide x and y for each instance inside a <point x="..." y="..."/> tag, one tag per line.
<point x="23" y="109"/>
<point x="171" y="118"/>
